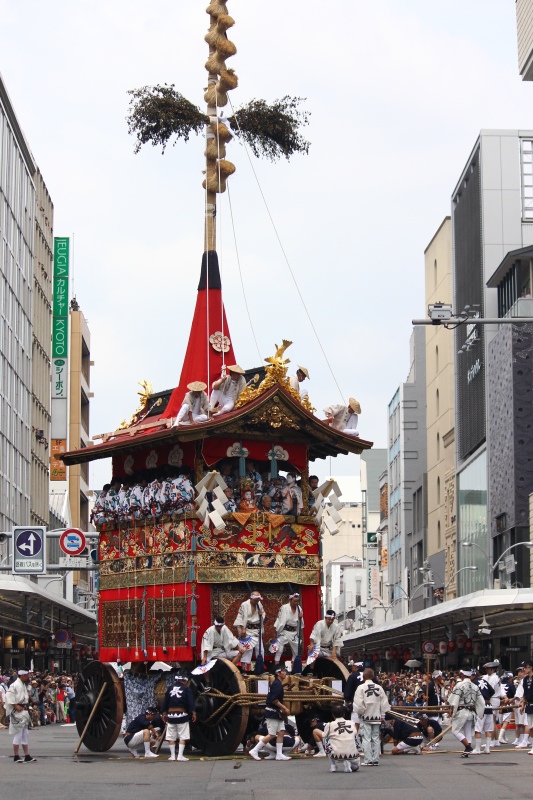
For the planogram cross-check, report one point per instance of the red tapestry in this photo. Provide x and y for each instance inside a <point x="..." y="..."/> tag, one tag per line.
<point x="174" y="455"/>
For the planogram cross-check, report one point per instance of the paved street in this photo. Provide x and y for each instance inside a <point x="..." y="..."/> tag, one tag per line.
<point x="58" y="775"/>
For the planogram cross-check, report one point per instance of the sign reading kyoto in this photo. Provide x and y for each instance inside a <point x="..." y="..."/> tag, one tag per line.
<point x="29" y="550"/>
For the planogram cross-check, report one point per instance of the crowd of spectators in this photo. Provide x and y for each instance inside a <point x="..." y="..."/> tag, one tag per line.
<point x="52" y="697"/>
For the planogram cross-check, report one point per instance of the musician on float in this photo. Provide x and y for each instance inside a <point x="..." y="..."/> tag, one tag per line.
<point x="327" y="635"/>
<point x="289" y="625"/>
<point x="250" y="618"/>
<point x="219" y="642"/>
<point x="227" y="390"/>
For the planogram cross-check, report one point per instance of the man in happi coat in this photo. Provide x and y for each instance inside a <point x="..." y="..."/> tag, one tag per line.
<point x="467" y="703"/>
<point x="371" y="703"/>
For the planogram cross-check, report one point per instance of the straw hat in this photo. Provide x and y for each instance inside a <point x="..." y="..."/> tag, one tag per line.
<point x="236" y="368"/>
<point x="354" y="405"/>
<point x="197" y="386"/>
<point x="304" y="370"/>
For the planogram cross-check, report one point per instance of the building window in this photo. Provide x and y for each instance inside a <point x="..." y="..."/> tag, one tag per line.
<point x="437" y="402"/>
<point x="527" y="178"/>
<point x="438" y="535"/>
<point x="437" y="359"/>
<point x="438" y="491"/>
<point x="438" y="447"/>
<point x="435" y="273"/>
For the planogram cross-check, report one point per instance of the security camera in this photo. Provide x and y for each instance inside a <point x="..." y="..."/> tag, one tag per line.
<point x="484" y="631"/>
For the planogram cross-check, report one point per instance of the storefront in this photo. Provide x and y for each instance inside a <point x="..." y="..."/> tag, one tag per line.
<point x="41" y="631"/>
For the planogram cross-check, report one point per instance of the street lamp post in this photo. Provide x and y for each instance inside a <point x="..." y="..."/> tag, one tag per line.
<point x="492" y="568"/>
<point x="409" y="597"/>
<point x="471" y="568"/>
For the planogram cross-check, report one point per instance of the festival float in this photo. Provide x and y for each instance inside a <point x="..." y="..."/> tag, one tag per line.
<point x="164" y="574"/>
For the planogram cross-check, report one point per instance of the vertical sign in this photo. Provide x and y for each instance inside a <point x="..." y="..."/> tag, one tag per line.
<point x="60" y="352"/>
<point x="29" y="550"/>
<point x="58" y="471"/>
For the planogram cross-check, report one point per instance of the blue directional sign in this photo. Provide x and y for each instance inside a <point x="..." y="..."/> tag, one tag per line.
<point x="29" y="550"/>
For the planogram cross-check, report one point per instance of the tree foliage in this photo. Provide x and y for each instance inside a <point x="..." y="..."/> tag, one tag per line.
<point x="272" y="131"/>
<point x="160" y="113"/>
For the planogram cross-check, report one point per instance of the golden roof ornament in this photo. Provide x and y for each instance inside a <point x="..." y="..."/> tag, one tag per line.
<point x="142" y="409"/>
<point x="276" y="374"/>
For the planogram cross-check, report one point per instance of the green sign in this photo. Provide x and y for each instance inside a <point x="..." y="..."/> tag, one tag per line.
<point x="371" y="538"/>
<point x="60" y="297"/>
<point x="60" y="337"/>
<point x="61" y="256"/>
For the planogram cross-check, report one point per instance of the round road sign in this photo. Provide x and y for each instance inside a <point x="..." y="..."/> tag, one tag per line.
<point x="72" y="542"/>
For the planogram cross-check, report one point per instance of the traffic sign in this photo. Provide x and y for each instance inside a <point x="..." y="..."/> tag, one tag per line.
<point x="72" y="542"/>
<point x="29" y="550"/>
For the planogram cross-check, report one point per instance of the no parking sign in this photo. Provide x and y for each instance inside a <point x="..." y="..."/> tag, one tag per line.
<point x="72" y="542"/>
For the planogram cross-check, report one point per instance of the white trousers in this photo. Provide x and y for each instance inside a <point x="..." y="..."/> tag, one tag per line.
<point x="21" y="737"/>
<point x="246" y="657"/>
<point x="225" y="402"/>
<point x="183" y="416"/>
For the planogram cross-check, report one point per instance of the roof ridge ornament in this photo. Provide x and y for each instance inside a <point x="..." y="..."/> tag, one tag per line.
<point x="276" y="374"/>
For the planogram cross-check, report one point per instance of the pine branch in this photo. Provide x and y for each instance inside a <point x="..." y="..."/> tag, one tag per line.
<point x="158" y="113"/>
<point x="272" y="131"/>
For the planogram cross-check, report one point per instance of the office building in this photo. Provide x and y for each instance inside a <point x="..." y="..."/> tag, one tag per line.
<point x="440" y="410"/>
<point x="524" y="29"/>
<point x="492" y="214"/>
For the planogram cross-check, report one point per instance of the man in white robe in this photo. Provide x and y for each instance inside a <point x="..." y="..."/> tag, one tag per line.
<point x="371" y="703"/>
<point x="195" y="406"/>
<point x="227" y="390"/>
<point x="288" y="624"/>
<point x="17" y="699"/>
<point x="344" y="418"/>
<point x="327" y="634"/>
<point x="296" y="381"/>
<point x="467" y="703"/>
<point x="219" y="642"/>
<point x="250" y="618"/>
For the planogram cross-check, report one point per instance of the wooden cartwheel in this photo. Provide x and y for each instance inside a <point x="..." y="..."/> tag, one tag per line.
<point x="99" y="680"/>
<point x="225" y="702"/>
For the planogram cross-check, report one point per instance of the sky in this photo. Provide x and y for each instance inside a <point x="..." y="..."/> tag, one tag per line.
<point x="398" y="91"/>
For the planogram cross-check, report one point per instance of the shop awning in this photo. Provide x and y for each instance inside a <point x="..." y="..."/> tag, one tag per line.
<point x="27" y="609"/>
<point x="508" y="612"/>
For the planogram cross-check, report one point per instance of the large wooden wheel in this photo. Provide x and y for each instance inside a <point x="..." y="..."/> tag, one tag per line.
<point x="219" y="726"/>
<point x="322" y="668"/>
<point x="107" y="720"/>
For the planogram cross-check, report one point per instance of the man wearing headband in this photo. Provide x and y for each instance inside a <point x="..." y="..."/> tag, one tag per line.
<point x="178" y="709"/>
<point x="355" y="679"/>
<point x="249" y="618"/>
<point x="219" y="642"/>
<point x="17" y="700"/>
<point x="467" y="703"/>
<point x="327" y="635"/>
<point x="509" y="690"/>
<point x="276" y="714"/>
<point x="288" y="624"/>
<point x="144" y="729"/>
